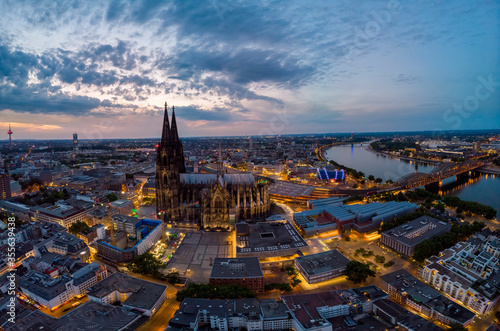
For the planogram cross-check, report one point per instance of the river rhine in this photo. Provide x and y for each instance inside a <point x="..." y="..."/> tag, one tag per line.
<point x="481" y="188"/>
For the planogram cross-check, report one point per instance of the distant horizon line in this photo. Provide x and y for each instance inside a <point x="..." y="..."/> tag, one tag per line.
<point x="272" y="135"/>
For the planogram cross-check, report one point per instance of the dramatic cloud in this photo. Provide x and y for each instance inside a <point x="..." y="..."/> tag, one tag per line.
<point x="233" y="66"/>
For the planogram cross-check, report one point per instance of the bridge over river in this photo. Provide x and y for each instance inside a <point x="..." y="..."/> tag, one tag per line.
<point x="439" y="173"/>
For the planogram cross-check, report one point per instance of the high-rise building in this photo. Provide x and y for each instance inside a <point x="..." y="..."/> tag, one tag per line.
<point x="75" y="142"/>
<point x="477" y="146"/>
<point x="208" y="201"/>
<point x="4" y="186"/>
<point x="10" y="136"/>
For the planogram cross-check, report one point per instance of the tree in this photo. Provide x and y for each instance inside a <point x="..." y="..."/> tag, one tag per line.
<point x="112" y="197"/>
<point x="358" y="251"/>
<point x="145" y="264"/>
<point x="439" y="206"/>
<point x="358" y="272"/>
<point x="173" y="277"/>
<point x="371" y="177"/>
<point x="457" y="327"/>
<point x="78" y="227"/>
<point x="400" y="197"/>
<point x="354" y="198"/>
<point x="65" y="194"/>
<point x="388" y="264"/>
<point x="458" y="232"/>
<point x="367" y="254"/>
<point x="208" y="291"/>
<point x="291" y="271"/>
<point x="295" y="281"/>
<point x="279" y="286"/>
<point x="380" y="259"/>
<point x="378" y="180"/>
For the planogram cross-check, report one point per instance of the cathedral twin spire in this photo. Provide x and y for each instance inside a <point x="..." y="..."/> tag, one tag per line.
<point x="169" y="134"/>
<point x="166" y="126"/>
<point x="170" y="145"/>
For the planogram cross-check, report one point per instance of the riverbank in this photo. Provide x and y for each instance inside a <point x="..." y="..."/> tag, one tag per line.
<point x="489" y="170"/>
<point x="408" y="158"/>
<point x="320" y="150"/>
<point x="479" y="187"/>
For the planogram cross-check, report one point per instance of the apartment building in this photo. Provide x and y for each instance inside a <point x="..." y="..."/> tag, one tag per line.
<point x="244" y="271"/>
<point x="53" y="292"/>
<point x="468" y="273"/>
<point x="406" y="289"/>
<point x="405" y="238"/>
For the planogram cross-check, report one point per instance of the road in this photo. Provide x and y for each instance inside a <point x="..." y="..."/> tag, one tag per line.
<point x="160" y="320"/>
<point x="61" y="310"/>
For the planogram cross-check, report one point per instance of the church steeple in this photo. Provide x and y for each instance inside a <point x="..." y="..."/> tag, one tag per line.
<point x="173" y="131"/>
<point x="166" y="127"/>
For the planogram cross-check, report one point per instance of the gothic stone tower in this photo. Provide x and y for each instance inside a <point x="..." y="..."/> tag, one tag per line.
<point x="217" y="202"/>
<point x="206" y="201"/>
<point x="169" y="164"/>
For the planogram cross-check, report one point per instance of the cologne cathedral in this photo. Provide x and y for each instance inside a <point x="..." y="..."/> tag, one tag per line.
<point x="205" y="201"/>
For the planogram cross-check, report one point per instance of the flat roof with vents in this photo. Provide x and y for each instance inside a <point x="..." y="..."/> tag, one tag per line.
<point x="279" y="237"/>
<point x="243" y="267"/>
<point x="319" y="263"/>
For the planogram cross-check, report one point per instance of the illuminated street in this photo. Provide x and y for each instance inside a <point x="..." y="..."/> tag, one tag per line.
<point x="160" y="320"/>
<point x="278" y="166"/>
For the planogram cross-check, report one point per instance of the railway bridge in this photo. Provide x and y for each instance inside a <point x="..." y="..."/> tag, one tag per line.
<point x="439" y="173"/>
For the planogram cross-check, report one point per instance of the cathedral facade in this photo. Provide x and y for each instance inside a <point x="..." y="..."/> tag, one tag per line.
<point x="204" y="201"/>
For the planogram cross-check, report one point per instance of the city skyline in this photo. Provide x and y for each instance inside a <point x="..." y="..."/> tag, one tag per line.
<point x="234" y="69"/>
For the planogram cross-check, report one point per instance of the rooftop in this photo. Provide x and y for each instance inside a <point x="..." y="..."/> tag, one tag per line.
<point x="318" y="263"/>
<point x="369" y="293"/>
<point x="89" y="316"/>
<point x="404" y="317"/>
<point x="65" y="208"/>
<point x="269" y="236"/>
<point x="121" y="203"/>
<point x="189" y="307"/>
<point x="67" y="238"/>
<point x="244" y="267"/>
<point x="305" y="307"/>
<point x="417" y="291"/>
<point x="273" y="310"/>
<point x="416" y="231"/>
<point x="453" y="276"/>
<point x="126" y="219"/>
<point x="143" y="222"/>
<point x="43" y="285"/>
<point x="239" y="178"/>
<point x="290" y="189"/>
<point x="143" y="294"/>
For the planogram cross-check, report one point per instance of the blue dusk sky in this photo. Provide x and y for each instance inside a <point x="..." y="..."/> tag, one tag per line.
<point x="105" y="68"/>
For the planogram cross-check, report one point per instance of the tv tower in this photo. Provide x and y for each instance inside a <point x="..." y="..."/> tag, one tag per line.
<point x="10" y="136"/>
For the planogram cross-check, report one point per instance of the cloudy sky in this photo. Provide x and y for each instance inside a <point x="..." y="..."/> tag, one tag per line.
<point x="105" y="68"/>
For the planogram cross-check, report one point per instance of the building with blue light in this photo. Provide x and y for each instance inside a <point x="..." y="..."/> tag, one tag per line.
<point x="330" y="175"/>
<point x="331" y="214"/>
<point x="147" y="231"/>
